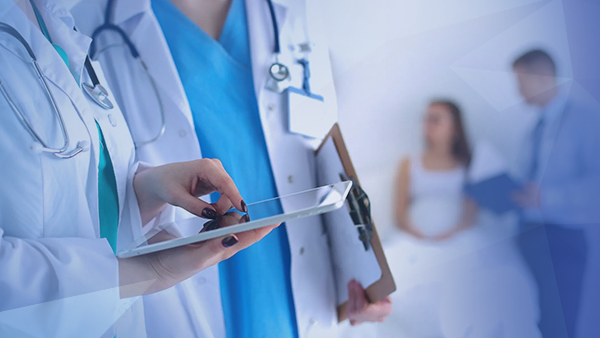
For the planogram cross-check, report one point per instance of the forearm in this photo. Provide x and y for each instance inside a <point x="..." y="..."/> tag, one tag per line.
<point x="468" y="216"/>
<point x="404" y="223"/>
<point x="402" y="220"/>
<point x="136" y="278"/>
<point x="149" y="203"/>
<point x="53" y="270"/>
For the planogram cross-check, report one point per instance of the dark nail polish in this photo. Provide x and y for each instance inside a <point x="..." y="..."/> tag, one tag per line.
<point x="213" y="225"/>
<point x="229" y="241"/>
<point x="244" y="206"/>
<point x="210" y="225"/>
<point x="246" y="218"/>
<point x="209" y="213"/>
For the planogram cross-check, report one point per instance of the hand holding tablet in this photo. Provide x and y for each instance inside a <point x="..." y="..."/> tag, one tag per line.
<point x="196" y="230"/>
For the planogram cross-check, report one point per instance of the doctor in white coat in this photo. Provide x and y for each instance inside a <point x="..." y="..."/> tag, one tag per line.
<point x="60" y="276"/>
<point x="197" y="308"/>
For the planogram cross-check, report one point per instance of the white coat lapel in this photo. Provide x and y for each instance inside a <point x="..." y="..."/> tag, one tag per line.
<point x="52" y="66"/>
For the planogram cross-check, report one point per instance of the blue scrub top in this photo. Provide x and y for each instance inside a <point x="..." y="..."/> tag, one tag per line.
<point x="217" y="78"/>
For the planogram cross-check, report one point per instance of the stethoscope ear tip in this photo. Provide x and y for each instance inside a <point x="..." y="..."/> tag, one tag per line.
<point x="36" y="148"/>
<point x="84" y="145"/>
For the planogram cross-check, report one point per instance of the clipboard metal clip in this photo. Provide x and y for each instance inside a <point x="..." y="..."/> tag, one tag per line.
<point x="360" y="211"/>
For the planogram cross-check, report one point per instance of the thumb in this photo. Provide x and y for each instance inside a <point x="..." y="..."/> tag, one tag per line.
<point x="215" y="250"/>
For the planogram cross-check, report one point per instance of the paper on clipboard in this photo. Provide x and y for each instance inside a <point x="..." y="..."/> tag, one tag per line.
<point x="349" y="258"/>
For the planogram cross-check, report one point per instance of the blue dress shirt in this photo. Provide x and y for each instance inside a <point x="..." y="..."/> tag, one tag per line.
<point x="565" y="159"/>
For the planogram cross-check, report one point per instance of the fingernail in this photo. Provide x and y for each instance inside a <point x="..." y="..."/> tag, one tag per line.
<point x="229" y="241"/>
<point x="211" y="225"/>
<point x="244" y="206"/>
<point x="246" y="218"/>
<point x="209" y="213"/>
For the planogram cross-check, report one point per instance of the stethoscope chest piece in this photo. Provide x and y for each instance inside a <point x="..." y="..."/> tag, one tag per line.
<point x="279" y="71"/>
<point x="279" y="77"/>
<point x="99" y="94"/>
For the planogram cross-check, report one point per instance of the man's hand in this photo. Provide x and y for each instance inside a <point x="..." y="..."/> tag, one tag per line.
<point x="359" y="308"/>
<point x="529" y="197"/>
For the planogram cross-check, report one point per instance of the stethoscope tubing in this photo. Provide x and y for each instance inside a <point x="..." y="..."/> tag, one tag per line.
<point x="58" y="152"/>
<point x="163" y="124"/>
<point x="278" y="71"/>
<point x="277" y="47"/>
<point x="108" y="26"/>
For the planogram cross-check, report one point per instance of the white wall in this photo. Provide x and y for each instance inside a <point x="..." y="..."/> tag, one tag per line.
<point x="391" y="57"/>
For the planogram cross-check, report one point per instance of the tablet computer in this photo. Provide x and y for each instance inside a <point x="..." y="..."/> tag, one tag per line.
<point x="260" y="214"/>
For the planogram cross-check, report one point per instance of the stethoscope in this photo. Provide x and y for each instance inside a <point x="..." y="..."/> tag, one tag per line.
<point x="58" y="152"/>
<point x="96" y="92"/>
<point x="278" y="71"/>
<point x="108" y="26"/>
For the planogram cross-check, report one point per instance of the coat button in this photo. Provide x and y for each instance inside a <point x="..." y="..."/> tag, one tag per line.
<point x="302" y="250"/>
<point x="182" y="133"/>
<point x="201" y="280"/>
<point x="291" y="179"/>
<point x="112" y="120"/>
<point x="271" y="106"/>
<point x="313" y="321"/>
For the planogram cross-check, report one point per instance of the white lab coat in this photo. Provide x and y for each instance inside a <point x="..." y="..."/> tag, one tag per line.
<point x="197" y="308"/>
<point x="193" y="307"/>
<point x="58" y="278"/>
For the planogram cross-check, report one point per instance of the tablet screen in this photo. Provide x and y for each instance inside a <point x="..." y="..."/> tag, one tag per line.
<point x="262" y="213"/>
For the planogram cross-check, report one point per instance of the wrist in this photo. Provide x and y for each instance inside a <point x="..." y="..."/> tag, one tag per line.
<point x="149" y="201"/>
<point x="137" y="277"/>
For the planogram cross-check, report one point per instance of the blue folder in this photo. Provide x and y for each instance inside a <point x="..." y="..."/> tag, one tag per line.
<point x="495" y="193"/>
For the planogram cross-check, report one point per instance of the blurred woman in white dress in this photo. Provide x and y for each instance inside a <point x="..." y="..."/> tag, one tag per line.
<point x="430" y="203"/>
<point x="456" y="276"/>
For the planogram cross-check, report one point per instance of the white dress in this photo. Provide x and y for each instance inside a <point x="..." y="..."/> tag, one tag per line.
<point x="472" y="285"/>
<point x="436" y="198"/>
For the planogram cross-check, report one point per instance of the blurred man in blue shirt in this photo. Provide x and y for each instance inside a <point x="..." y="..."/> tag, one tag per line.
<point x="561" y="168"/>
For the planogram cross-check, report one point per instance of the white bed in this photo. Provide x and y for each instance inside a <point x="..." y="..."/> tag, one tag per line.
<point x="473" y="285"/>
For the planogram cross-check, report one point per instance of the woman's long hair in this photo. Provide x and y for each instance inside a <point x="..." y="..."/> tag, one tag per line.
<point x="460" y="146"/>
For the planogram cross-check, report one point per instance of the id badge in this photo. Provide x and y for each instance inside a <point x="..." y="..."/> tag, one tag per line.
<point x="306" y="113"/>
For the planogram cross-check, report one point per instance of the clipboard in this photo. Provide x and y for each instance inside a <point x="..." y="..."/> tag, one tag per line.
<point x="362" y="251"/>
<point x="494" y="193"/>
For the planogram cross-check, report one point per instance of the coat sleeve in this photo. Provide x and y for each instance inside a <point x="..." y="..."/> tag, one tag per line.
<point x="57" y="278"/>
<point x="58" y="287"/>
<point x="64" y="287"/>
<point x="573" y="200"/>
